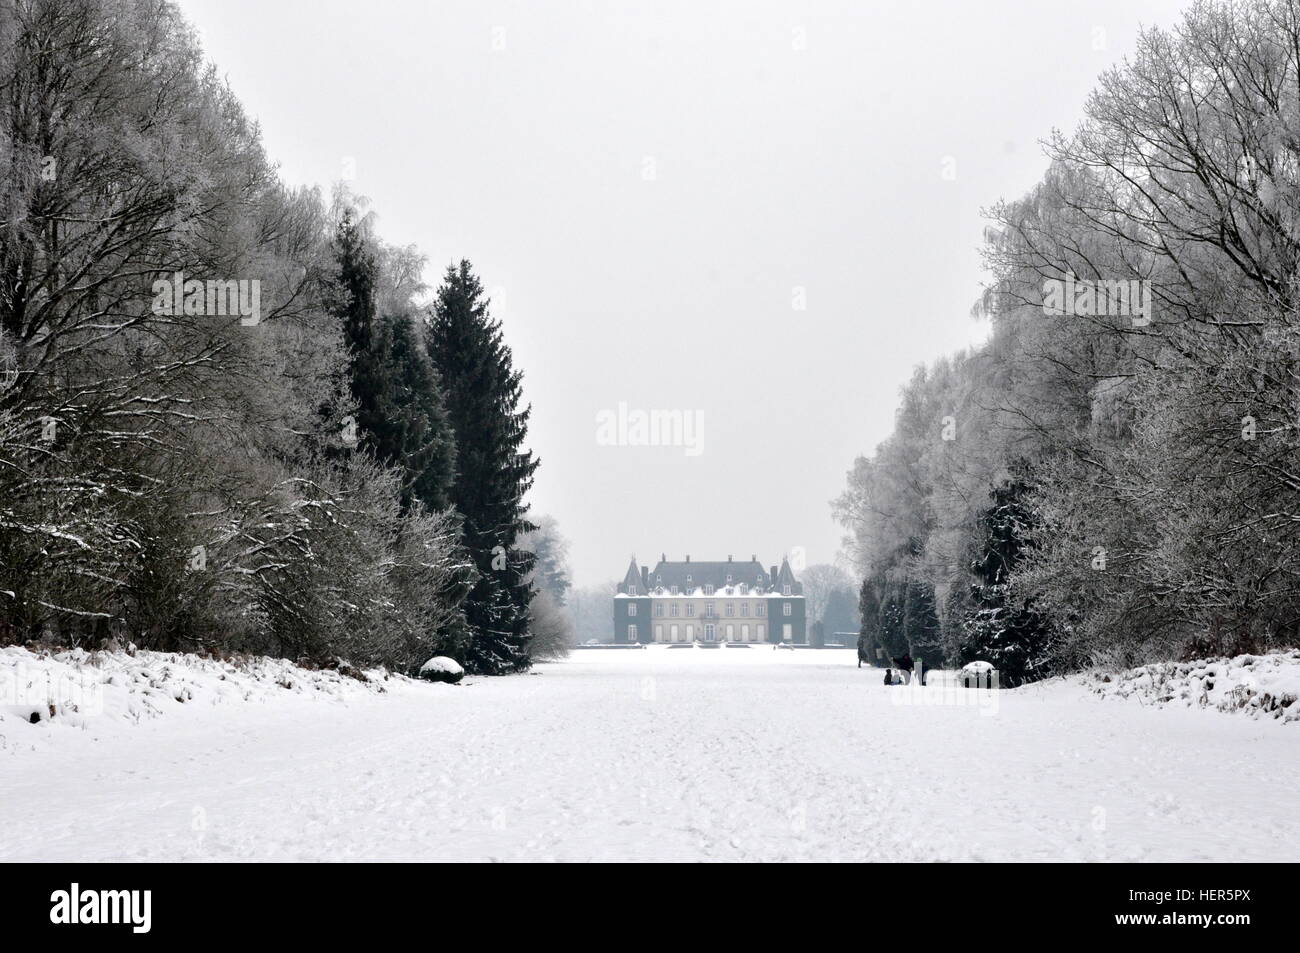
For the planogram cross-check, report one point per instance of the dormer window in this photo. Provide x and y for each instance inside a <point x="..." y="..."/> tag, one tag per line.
<point x="631" y="590"/>
<point x="708" y="590"/>
<point x="658" y="578"/>
<point x="785" y="590"/>
<point x="673" y="590"/>
<point x="688" y="577"/>
<point x="728" y="578"/>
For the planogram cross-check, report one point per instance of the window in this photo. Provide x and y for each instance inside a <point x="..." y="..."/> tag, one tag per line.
<point x="631" y="633"/>
<point x="708" y="590"/>
<point x="710" y="633"/>
<point x="758" y="580"/>
<point x="631" y="608"/>
<point x="659" y="633"/>
<point x="708" y="610"/>
<point x="744" y="608"/>
<point x="658" y="577"/>
<point x="760" y="632"/>
<point x="631" y="590"/>
<point x="728" y="578"/>
<point x="731" y="609"/>
<point x="785" y="609"/>
<point x="760" y="609"/>
<point x="743" y="588"/>
<point x="673" y="590"/>
<point x="688" y="577"/>
<point x="731" y="632"/>
<point x="690" y="608"/>
<point x="672" y="610"/>
<point x="785" y="590"/>
<point x="659" y="609"/>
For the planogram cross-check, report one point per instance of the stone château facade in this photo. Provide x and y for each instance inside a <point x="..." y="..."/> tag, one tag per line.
<point x="709" y="602"/>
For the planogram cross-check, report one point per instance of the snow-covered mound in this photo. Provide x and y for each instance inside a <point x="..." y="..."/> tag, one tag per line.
<point x="440" y="668"/>
<point x="1263" y="686"/>
<point x="86" y="689"/>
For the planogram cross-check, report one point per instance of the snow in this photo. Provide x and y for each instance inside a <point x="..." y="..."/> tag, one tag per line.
<point x="440" y="663"/>
<point x="648" y="755"/>
<point x="1261" y="686"/>
<point x="98" y="689"/>
<point x="977" y="668"/>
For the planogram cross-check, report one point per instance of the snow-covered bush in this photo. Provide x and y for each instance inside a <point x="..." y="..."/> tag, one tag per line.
<point x="1262" y="686"/>
<point x="442" y="669"/>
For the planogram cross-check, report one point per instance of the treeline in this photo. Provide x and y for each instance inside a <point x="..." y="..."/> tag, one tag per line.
<point x="225" y="422"/>
<point x="1114" y="476"/>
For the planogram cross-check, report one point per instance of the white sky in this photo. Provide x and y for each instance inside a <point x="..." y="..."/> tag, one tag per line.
<point x="517" y="135"/>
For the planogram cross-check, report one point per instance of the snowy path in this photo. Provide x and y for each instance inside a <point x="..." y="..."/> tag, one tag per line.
<point x="660" y="755"/>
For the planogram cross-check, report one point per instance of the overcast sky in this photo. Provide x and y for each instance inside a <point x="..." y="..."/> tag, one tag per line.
<point x="652" y="190"/>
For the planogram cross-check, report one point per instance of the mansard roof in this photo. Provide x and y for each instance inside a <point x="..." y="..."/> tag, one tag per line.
<point x="669" y="573"/>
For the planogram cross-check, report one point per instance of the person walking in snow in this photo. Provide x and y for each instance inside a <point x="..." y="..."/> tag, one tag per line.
<point x="862" y="650"/>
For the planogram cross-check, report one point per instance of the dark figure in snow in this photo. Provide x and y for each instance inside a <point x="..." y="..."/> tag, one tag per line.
<point x="905" y="663"/>
<point x="889" y="676"/>
<point x="862" y="651"/>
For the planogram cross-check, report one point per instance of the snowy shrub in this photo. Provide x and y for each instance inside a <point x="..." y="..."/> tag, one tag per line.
<point x="1261" y="686"/>
<point x="442" y="669"/>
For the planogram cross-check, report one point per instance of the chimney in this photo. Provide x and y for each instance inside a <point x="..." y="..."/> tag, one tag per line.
<point x="753" y="557"/>
<point x="728" y="557"/>
<point x="688" y="557"/>
<point x="663" y="557"/>
<point x="645" y="578"/>
<point x="772" y="580"/>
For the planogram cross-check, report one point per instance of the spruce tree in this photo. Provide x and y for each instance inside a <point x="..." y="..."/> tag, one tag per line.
<point x="1012" y="635"/>
<point x="400" y="413"/>
<point x="411" y="428"/>
<point x="483" y="395"/>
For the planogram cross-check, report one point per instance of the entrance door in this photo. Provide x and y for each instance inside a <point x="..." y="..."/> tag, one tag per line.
<point x="710" y="633"/>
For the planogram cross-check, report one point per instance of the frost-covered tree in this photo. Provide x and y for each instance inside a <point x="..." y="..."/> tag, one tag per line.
<point x="1161" y="436"/>
<point x="170" y="471"/>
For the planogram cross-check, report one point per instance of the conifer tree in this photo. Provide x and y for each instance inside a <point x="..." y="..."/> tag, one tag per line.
<point x="400" y="411"/>
<point x="1011" y="635"/>
<point x="483" y="394"/>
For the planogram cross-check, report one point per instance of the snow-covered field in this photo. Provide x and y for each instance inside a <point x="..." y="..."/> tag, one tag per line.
<point x="628" y="755"/>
